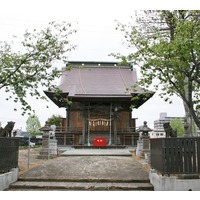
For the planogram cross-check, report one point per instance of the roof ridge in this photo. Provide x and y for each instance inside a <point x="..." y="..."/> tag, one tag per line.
<point x="91" y="64"/>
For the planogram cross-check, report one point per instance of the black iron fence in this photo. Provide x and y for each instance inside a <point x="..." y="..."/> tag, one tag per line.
<point x="9" y="149"/>
<point x="175" y="155"/>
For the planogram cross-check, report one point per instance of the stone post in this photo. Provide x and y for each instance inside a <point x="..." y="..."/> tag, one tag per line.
<point x="143" y="144"/>
<point x="139" y="148"/>
<point x="49" y="144"/>
<point x="146" y="147"/>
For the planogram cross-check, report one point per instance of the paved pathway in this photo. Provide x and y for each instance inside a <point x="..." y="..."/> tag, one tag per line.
<point x="96" y="171"/>
<point x="114" y="165"/>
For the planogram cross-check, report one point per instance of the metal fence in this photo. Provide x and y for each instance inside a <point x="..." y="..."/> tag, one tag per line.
<point x="175" y="155"/>
<point x="9" y="150"/>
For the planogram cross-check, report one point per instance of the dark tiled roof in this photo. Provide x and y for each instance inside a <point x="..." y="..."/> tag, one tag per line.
<point x="98" y="81"/>
<point x="93" y="80"/>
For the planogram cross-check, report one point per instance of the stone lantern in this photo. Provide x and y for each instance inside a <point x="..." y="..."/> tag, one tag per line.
<point x="144" y="130"/>
<point x="45" y="130"/>
<point x="143" y="144"/>
<point x="49" y="145"/>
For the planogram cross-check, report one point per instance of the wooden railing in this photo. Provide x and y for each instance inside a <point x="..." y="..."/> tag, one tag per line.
<point x="73" y="136"/>
<point x="79" y="129"/>
<point x="9" y="148"/>
<point x="175" y="155"/>
<point x="63" y="129"/>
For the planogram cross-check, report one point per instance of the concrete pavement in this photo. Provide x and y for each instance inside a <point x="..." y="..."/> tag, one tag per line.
<point x="112" y="168"/>
<point x="108" y="170"/>
<point x="97" y="152"/>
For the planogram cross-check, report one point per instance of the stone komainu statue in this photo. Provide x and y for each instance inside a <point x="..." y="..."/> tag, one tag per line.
<point x="170" y="132"/>
<point x="7" y="130"/>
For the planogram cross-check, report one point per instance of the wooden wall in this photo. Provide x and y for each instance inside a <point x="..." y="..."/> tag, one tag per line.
<point x="76" y="119"/>
<point x="123" y="121"/>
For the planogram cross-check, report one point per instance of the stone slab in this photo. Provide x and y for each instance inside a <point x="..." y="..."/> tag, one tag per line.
<point x="173" y="183"/>
<point x="7" y="178"/>
<point x="80" y="168"/>
<point x="97" y="152"/>
<point x="31" y="185"/>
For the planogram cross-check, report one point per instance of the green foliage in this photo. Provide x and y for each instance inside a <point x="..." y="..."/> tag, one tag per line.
<point x="194" y="128"/>
<point x="54" y="120"/>
<point x="177" y="124"/>
<point x="22" y="73"/>
<point x="33" y="125"/>
<point x="166" y="47"/>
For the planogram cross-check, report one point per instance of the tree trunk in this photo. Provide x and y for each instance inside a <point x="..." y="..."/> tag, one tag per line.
<point x="188" y="122"/>
<point x="188" y="116"/>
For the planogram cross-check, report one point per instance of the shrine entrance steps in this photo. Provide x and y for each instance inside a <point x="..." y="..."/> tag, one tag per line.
<point x="97" y="152"/>
<point x="100" y="147"/>
<point x="80" y="185"/>
<point x="86" y="173"/>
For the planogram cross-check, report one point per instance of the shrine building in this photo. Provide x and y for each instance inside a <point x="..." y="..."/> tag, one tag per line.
<point x="100" y="98"/>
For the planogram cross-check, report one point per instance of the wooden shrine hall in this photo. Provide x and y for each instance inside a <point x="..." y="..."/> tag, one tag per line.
<point x="98" y="97"/>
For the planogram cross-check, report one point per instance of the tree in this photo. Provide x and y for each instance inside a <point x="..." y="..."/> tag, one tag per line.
<point x="177" y="124"/>
<point x="54" y="120"/>
<point x="166" y="47"/>
<point x="22" y="73"/>
<point x="33" y="125"/>
<point x="194" y="128"/>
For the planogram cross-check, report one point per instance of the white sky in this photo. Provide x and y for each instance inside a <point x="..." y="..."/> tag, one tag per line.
<point x="96" y="38"/>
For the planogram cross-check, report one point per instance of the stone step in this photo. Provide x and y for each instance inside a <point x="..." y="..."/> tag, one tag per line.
<point x="76" y="186"/>
<point x="100" y="147"/>
<point x="79" y="180"/>
<point x="97" y="152"/>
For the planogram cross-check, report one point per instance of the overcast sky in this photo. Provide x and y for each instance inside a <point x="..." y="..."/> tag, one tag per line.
<point x="95" y="39"/>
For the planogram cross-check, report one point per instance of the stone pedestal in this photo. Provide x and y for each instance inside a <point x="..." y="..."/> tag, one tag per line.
<point x="49" y="147"/>
<point x="143" y="146"/>
<point x="139" y="148"/>
<point x="53" y="147"/>
<point x="147" y="157"/>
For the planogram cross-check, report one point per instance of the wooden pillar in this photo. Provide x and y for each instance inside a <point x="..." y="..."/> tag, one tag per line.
<point x="110" y="134"/>
<point x="115" y="128"/>
<point x="130" y="118"/>
<point x="88" y="127"/>
<point x="84" y="127"/>
<point x="115" y="124"/>
<point x="68" y="118"/>
<point x="66" y="134"/>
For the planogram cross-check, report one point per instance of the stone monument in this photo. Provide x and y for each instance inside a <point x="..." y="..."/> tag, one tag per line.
<point x="49" y="143"/>
<point x="143" y="144"/>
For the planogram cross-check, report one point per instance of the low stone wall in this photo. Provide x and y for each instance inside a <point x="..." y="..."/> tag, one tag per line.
<point x="7" y="178"/>
<point x="173" y="183"/>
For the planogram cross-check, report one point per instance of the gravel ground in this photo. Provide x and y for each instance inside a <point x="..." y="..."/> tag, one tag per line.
<point x="24" y="163"/>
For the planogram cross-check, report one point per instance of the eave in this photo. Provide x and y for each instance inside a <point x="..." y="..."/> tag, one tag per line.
<point x="60" y="100"/>
<point x="134" y="99"/>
